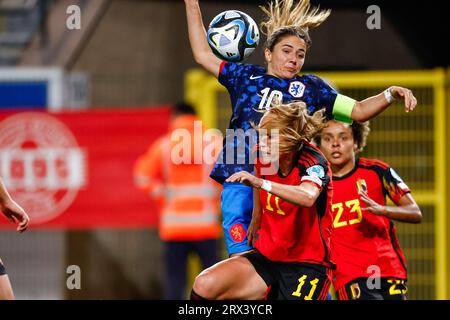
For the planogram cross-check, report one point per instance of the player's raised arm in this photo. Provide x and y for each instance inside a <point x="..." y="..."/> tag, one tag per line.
<point x="372" y="106"/>
<point x="197" y="38"/>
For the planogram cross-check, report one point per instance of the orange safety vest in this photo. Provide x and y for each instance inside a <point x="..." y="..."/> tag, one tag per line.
<point x="188" y="197"/>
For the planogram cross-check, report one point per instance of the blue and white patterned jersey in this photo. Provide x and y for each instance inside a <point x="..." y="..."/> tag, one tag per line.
<point x="252" y="91"/>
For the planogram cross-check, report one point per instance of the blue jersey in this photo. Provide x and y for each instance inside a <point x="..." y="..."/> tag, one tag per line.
<point x="252" y="92"/>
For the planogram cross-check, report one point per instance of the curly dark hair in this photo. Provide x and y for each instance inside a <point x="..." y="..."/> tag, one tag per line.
<point x="360" y="131"/>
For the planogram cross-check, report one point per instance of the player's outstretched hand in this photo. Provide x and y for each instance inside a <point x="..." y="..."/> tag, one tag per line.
<point x="15" y="214"/>
<point x="245" y="178"/>
<point x="372" y="206"/>
<point x="400" y="93"/>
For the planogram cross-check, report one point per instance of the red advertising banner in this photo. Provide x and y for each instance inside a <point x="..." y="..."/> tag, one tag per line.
<point x="74" y="170"/>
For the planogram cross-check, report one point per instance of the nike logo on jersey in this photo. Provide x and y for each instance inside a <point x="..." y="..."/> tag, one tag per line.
<point x="252" y="77"/>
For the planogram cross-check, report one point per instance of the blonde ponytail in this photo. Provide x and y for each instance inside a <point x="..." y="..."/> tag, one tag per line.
<point x="293" y="124"/>
<point x="291" y="15"/>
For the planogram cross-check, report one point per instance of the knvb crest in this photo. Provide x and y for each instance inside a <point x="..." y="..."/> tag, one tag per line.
<point x="237" y="232"/>
<point x="296" y="89"/>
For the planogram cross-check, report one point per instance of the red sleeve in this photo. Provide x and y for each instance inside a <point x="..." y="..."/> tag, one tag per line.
<point x="394" y="185"/>
<point x="221" y="66"/>
<point x="313" y="167"/>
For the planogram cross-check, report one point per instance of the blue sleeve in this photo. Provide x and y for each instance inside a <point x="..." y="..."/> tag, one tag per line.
<point x="229" y="74"/>
<point x="324" y="96"/>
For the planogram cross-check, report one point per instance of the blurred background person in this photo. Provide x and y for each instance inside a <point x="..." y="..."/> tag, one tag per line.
<point x="370" y="264"/>
<point x="186" y="196"/>
<point x="15" y="214"/>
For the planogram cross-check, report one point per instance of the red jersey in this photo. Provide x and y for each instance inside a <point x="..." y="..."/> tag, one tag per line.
<point x="292" y="233"/>
<point x="363" y="239"/>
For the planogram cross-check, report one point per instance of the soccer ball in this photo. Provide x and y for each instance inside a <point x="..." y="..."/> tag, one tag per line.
<point x="233" y="35"/>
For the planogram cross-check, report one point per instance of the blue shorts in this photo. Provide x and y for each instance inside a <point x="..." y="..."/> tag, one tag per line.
<point x="237" y="206"/>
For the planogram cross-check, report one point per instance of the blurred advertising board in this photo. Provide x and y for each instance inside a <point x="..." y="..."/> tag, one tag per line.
<point x="74" y="170"/>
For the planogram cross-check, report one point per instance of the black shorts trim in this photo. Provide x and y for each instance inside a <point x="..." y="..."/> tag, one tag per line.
<point x="259" y="262"/>
<point x="363" y="288"/>
<point x="291" y="280"/>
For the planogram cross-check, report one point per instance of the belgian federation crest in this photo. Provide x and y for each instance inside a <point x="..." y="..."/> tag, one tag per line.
<point x="296" y="89"/>
<point x="316" y="170"/>
<point x="361" y="185"/>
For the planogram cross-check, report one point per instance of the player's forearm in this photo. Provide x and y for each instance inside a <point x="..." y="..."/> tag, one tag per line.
<point x="4" y="195"/>
<point x="298" y="195"/>
<point x="197" y="38"/>
<point x="369" y="108"/>
<point x="196" y="29"/>
<point x="409" y="213"/>
<point x="257" y="212"/>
